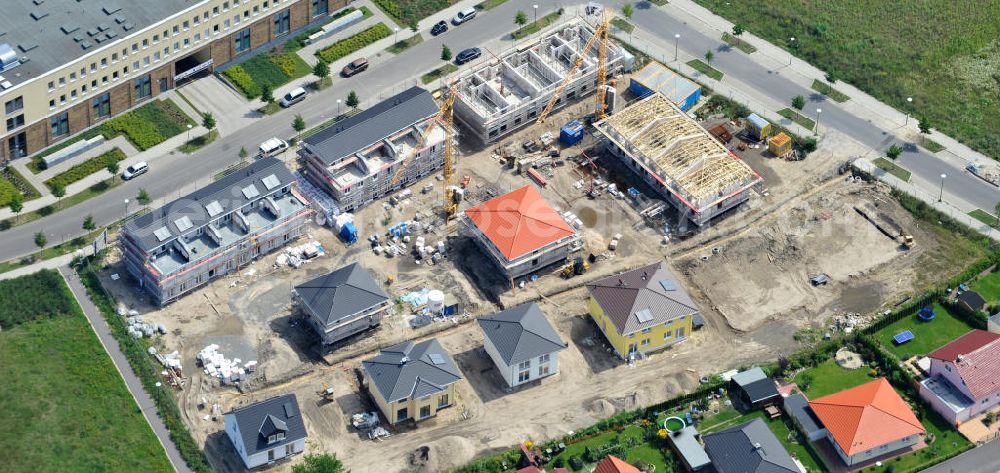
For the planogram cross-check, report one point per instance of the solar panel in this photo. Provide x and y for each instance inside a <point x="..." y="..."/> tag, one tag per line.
<point x="644" y="316"/>
<point x="213" y="208"/>
<point x="162" y="233"/>
<point x="270" y="182"/>
<point x="250" y="191"/>
<point x="903" y="337"/>
<point x="436" y="358"/>
<point x="668" y="285"/>
<point x="289" y="410"/>
<point x="183" y="224"/>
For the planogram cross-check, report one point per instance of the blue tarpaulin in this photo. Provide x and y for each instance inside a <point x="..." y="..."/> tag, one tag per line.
<point x="349" y="233"/>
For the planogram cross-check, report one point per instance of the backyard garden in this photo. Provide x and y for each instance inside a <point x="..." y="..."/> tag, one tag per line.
<point x="928" y="335"/>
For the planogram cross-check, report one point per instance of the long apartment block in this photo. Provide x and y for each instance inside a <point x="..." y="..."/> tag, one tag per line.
<point x="67" y="65"/>
<point x="507" y="92"/>
<point x="355" y="160"/>
<point x="214" y="230"/>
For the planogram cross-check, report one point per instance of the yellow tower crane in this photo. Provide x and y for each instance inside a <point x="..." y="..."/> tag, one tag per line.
<point x="601" y="36"/>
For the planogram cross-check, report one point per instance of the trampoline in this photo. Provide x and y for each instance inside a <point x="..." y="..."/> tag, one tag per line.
<point x="926" y="314"/>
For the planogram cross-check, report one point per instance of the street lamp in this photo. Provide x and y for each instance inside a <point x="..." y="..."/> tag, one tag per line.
<point x="909" y="102"/>
<point x="677" y="39"/>
<point x="395" y="39"/>
<point x="338" y="108"/>
<point x="791" y="44"/>
<point x="126" y="208"/>
<point x="818" y="111"/>
<point x="941" y="193"/>
<point x="189" y="132"/>
<point x="535" y="7"/>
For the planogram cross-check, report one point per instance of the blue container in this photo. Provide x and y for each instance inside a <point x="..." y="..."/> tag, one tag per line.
<point x="571" y="133"/>
<point x="349" y="233"/>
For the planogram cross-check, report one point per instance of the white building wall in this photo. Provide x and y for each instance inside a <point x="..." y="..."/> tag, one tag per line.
<point x="941" y="408"/>
<point x="948" y="371"/>
<point x="233" y="431"/>
<point x="280" y="452"/>
<point x="510" y="373"/>
<point x="875" y="452"/>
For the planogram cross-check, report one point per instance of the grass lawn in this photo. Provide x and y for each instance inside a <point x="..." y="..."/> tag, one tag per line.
<point x="270" y="69"/>
<point x="12" y="181"/>
<point x="988" y="286"/>
<point x="643" y="450"/>
<point x="984" y="216"/>
<point x="828" y="378"/>
<point x="623" y="24"/>
<point x="405" y="44"/>
<point x="938" y="53"/>
<point x="825" y="89"/>
<point x="198" y="142"/>
<point x="535" y="26"/>
<point x="405" y="11"/>
<point x="82" y="418"/>
<point x="700" y="66"/>
<point x="438" y="73"/>
<point x="270" y="108"/>
<point x="929" y="335"/>
<point x="892" y="168"/>
<point x="489" y="4"/>
<point x="69" y="201"/>
<point x="797" y="117"/>
<point x="931" y="145"/>
<point x="659" y="3"/>
<point x="946" y="440"/>
<point x="738" y="43"/>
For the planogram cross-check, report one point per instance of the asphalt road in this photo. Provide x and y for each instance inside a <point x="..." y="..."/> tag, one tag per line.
<point x="982" y="459"/>
<point x="177" y="175"/>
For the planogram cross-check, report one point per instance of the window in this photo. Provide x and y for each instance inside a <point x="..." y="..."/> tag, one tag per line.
<point x="102" y="106"/>
<point x="62" y="100"/>
<point x="443" y="401"/>
<point x="52" y="86"/>
<point x="14" y="105"/>
<point x="668" y="334"/>
<point x="281" y="22"/>
<point x="320" y="7"/>
<point x="72" y="94"/>
<point x="523" y="376"/>
<point x="104" y="62"/>
<point x="544" y="358"/>
<point x="60" y="124"/>
<point x="14" y="123"/>
<point x="236" y="20"/>
<point x="543" y="370"/>
<point x="680" y="332"/>
<point x="72" y="76"/>
<point x="143" y="87"/>
<point x="289" y="449"/>
<point x="62" y="81"/>
<point x="215" y="11"/>
<point x="242" y="40"/>
<point x="114" y="59"/>
<point x="145" y="43"/>
<point x="647" y="330"/>
<point x="425" y="412"/>
<point x="156" y="56"/>
<point x="645" y="342"/>
<point x="177" y="30"/>
<point x="114" y="75"/>
<point x="186" y="23"/>
<point x="225" y="24"/>
<point x="52" y="104"/>
<point x="524" y="365"/>
<point x="270" y="455"/>
<point x="156" y="38"/>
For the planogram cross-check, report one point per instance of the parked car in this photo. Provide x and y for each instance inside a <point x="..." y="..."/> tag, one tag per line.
<point x="355" y="67"/>
<point x="467" y="55"/>
<point x="272" y="147"/>
<point x="439" y="27"/>
<point x="134" y="170"/>
<point x="463" y="16"/>
<point x="295" y="96"/>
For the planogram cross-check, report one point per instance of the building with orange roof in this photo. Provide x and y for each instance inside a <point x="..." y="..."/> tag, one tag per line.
<point x="613" y="464"/>
<point x="867" y="421"/>
<point x="520" y="232"/>
<point x="964" y="379"/>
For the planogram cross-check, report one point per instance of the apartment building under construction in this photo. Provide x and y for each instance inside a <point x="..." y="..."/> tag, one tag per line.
<point x="355" y="160"/>
<point x="508" y="91"/>
<point x="678" y="158"/>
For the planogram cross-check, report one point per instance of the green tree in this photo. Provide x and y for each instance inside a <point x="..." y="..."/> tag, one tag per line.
<point x="798" y="102"/>
<point x="627" y="10"/>
<point x="738" y="31"/>
<point x="324" y="463"/>
<point x="89" y="224"/>
<point x="445" y="53"/>
<point x="113" y="169"/>
<point x="243" y="153"/>
<point x="831" y="77"/>
<point x="996" y="208"/>
<point x="924" y="125"/>
<point x="266" y="94"/>
<point x="16" y="205"/>
<point x="352" y="100"/>
<point x="809" y="145"/>
<point x="412" y="23"/>
<point x="709" y="55"/>
<point x="41" y="240"/>
<point x="298" y="124"/>
<point x="893" y="152"/>
<point x="59" y="190"/>
<point x="208" y="121"/>
<point x="321" y="70"/>
<point x="520" y="19"/>
<point x="143" y="197"/>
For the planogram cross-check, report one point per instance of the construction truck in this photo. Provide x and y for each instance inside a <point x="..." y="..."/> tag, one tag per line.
<point x="906" y="241"/>
<point x="576" y="268"/>
<point x="327" y="393"/>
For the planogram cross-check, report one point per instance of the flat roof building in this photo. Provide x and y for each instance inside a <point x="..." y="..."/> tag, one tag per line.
<point x="678" y="158"/>
<point x="508" y="91"/>
<point x="67" y="65"/>
<point x="213" y="231"/>
<point x="355" y="159"/>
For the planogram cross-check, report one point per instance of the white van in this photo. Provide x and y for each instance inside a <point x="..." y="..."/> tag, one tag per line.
<point x="463" y="16"/>
<point x="295" y="96"/>
<point x="272" y="147"/>
<point x="134" y="170"/>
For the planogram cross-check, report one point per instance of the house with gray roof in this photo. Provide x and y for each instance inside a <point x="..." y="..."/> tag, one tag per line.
<point x="748" y="448"/>
<point x="685" y="443"/>
<point x="522" y="343"/>
<point x="411" y="380"/>
<point x="752" y="389"/>
<point x="355" y="159"/>
<point x="341" y="303"/>
<point x="213" y="231"/>
<point x="268" y="431"/>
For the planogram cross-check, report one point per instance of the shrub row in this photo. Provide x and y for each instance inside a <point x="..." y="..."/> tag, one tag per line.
<point x="242" y="80"/>
<point x="352" y="44"/>
<point x="270" y="69"/>
<point x="391" y="8"/>
<point x="143" y="365"/>
<point x="7" y="191"/>
<point x="40" y="295"/>
<point x="141" y="133"/>
<point x="86" y="168"/>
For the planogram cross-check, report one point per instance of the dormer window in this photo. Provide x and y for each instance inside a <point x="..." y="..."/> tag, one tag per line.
<point x="276" y="437"/>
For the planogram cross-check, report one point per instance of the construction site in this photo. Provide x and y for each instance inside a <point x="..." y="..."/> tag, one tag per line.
<point x="781" y="224"/>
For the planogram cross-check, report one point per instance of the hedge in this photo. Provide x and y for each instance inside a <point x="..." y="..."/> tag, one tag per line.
<point x="270" y="69"/>
<point x="38" y="295"/>
<point x="144" y="366"/>
<point x="242" y="80"/>
<point x="86" y="168"/>
<point x="352" y="44"/>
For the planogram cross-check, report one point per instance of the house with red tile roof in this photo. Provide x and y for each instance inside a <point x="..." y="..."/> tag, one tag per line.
<point x="867" y="421"/>
<point x="520" y="232"/>
<point x="964" y="378"/>
<point x="613" y="464"/>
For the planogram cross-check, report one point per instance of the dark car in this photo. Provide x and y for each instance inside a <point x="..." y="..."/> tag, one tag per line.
<point x="354" y="67"/>
<point x="467" y="55"/>
<point x="439" y="27"/>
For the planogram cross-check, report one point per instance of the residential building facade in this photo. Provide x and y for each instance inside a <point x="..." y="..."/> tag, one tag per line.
<point x="642" y="310"/>
<point x="213" y="231"/>
<point x="93" y="61"/>
<point x="268" y="431"/>
<point x="411" y="381"/>
<point x="964" y="378"/>
<point x="522" y="344"/>
<point x="342" y="303"/>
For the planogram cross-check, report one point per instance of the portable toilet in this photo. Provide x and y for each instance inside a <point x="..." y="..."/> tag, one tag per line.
<point x="571" y="133"/>
<point x="349" y="233"/>
<point x="780" y="145"/>
<point x="758" y="127"/>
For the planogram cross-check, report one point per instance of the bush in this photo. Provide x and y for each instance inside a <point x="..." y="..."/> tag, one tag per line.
<point x="351" y="44"/>
<point x="141" y="133"/>
<point x="86" y="168"/>
<point x="242" y="80"/>
<point x="34" y="296"/>
<point x="390" y="8"/>
<point x="7" y="191"/>
<point x="575" y="463"/>
<point x="286" y="63"/>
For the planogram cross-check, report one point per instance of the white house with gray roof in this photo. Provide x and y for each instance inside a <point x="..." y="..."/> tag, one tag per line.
<point x="522" y="344"/>
<point x="411" y="380"/>
<point x="342" y="303"/>
<point x="268" y="431"/>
